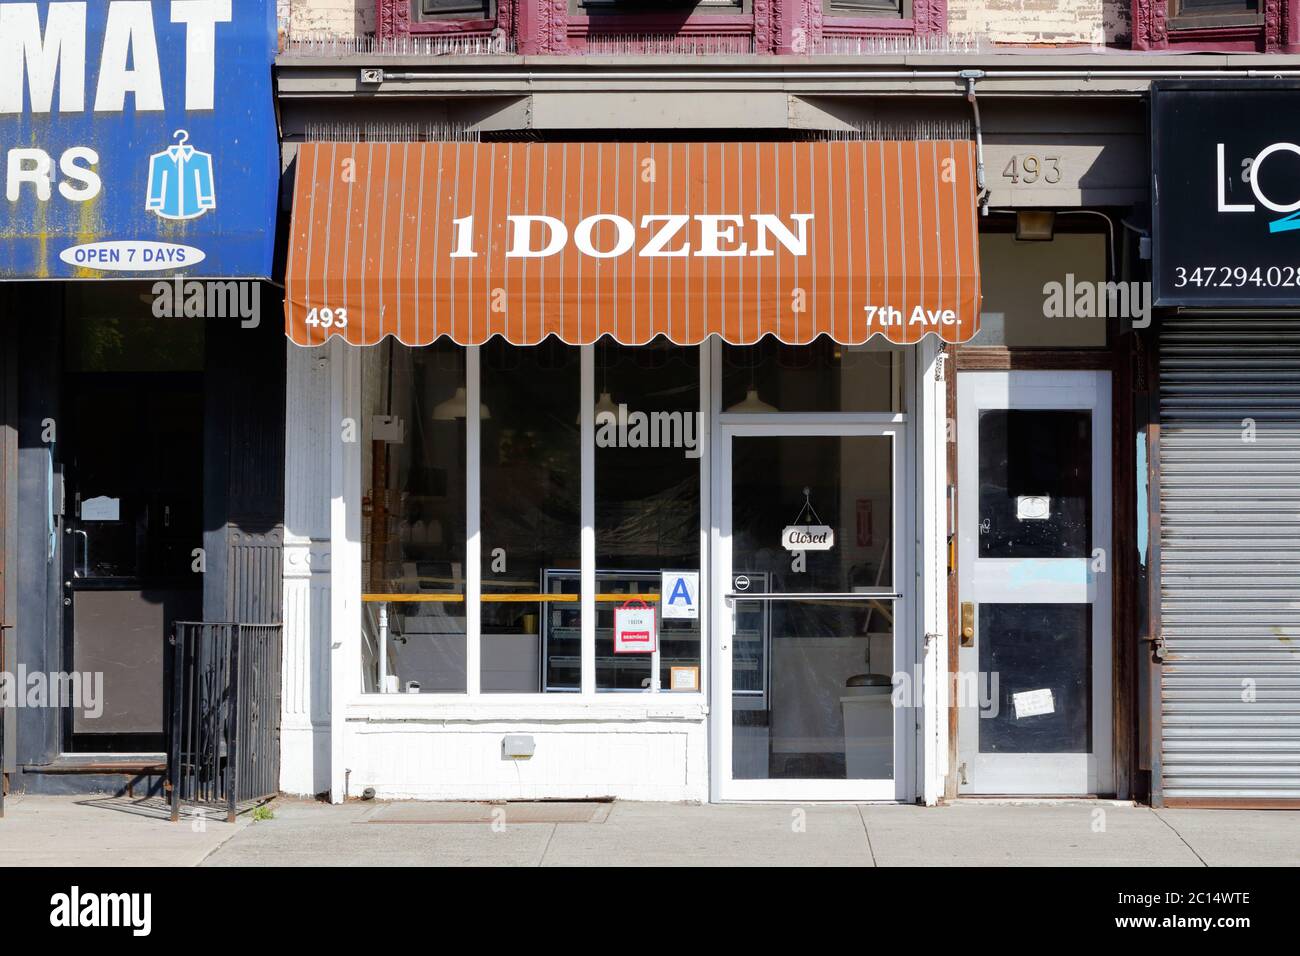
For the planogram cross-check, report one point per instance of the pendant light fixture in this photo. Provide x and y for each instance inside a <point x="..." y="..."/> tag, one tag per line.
<point x="457" y="407"/>
<point x="751" y="403"/>
<point x="605" y="404"/>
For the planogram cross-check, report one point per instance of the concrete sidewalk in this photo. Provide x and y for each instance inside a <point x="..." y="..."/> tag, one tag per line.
<point x="105" y="831"/>
<point x="1083" y="833"/>
<point x="87" y="831"/>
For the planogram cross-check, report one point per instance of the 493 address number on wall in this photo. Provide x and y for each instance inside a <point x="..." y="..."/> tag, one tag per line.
<point x="1029" y="168"/>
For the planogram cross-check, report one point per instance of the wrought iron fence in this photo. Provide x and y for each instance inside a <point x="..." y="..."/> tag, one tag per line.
<point x="224" y="751"/>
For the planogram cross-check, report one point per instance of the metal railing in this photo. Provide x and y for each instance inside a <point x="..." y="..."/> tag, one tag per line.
<point x="224" y="746"/>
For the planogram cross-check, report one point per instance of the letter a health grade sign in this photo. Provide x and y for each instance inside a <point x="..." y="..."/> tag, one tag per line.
<point x="137" y="138"/>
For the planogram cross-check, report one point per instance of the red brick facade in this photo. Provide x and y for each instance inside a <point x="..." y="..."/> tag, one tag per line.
<point x="773" y="26"/>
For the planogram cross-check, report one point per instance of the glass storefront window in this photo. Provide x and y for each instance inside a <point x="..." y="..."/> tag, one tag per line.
<point x="821" y="377"/>
<point x="521" y="409"/>
<point x="531" y="494"/>
<point x="414" y="474"/>
<point x="647" y="501"/>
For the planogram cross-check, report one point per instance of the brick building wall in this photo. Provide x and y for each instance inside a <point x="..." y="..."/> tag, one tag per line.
<point x="333" y="18"/>
<point x="1054" y="22"/>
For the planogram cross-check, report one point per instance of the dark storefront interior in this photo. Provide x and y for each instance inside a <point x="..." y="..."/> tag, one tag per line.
<point x="149" y="491"/>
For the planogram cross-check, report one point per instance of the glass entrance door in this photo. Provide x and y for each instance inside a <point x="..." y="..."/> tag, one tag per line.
<point x="810" y="617"/>
<point x="1034" y="687"/>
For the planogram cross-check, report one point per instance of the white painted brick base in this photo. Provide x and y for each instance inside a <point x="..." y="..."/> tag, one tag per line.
<point x="305" y="760"/>
<point x="445" y="760"/>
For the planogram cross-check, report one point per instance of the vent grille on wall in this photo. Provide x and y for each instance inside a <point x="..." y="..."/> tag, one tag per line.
<point x="900" y="44"/>
<point x="428" y="132"/>
<point x="496" y="43"/>
<point x="633" y="44"/>
<point x="920" y="130"/>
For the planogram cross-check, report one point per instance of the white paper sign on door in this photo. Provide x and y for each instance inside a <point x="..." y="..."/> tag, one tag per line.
<point x="1032" y="703"/>
<point x="679" y="594"/>
<point x="101" y="509"/>
<point x="634" y="629"/>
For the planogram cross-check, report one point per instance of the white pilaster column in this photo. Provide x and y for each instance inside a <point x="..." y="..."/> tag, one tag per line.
<point x="345" y="551"/>
<point x="932" y="432"/>
<point x="305" y="698"/>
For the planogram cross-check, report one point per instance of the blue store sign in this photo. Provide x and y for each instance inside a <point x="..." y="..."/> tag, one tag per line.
<point x="137" y="139"/>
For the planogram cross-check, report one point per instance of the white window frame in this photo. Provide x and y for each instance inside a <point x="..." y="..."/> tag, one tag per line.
<point x="902" y="428"/>
<point x="651" y="702"/>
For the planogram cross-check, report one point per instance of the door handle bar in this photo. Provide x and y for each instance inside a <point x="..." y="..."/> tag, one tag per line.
<point x="85" y="552"/>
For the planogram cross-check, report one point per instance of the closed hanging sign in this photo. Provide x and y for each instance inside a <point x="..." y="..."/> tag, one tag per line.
<point x="634" y="629"/>
<point x="808" y="537"/>
<point x="808" y="533"/>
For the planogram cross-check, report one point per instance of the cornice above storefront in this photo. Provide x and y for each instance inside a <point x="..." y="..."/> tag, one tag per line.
<point x="1005" y="74"/>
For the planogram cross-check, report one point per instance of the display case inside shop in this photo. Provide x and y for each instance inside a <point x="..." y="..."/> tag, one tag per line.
<point x="751" y="647"/>
<point x="679" y="640"/>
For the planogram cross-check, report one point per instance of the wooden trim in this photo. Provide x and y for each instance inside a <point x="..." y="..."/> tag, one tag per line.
<point x="1143" y="675"/>
<point x="1199" y="803"/>
<point x="1123" y="569"/>
<point x="1119" y="361"/>
<point x="998" y="358"/>
<point x="1155" y="624"/>
<point x="951" y="782"/>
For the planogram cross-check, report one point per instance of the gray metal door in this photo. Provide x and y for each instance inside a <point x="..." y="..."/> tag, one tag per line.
<point x="133" y="460"/>
<point x="1230" y="558"/>
<point x="8" y="514"/>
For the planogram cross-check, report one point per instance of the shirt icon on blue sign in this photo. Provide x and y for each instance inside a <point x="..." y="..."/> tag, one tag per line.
<point x="180" y="181"/>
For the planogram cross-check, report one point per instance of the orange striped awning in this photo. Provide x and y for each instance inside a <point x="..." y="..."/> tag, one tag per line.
<point x="634" y="240"/>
